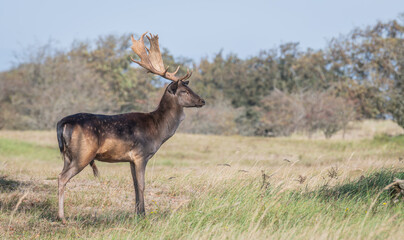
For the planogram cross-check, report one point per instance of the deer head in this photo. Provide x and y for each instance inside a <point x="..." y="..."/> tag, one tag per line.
<point x="151" y="60"/>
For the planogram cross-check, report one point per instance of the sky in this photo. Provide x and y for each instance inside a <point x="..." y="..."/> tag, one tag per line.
<point x="192" y="29"/>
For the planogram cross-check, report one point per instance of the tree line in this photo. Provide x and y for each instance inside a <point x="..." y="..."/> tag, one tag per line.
<point x="275" y="93"/>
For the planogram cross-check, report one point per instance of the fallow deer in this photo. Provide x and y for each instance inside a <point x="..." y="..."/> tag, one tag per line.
<point x="131" y="137"/>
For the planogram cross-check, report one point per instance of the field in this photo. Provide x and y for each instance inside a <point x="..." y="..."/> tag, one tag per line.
<point x="212" y="187"/>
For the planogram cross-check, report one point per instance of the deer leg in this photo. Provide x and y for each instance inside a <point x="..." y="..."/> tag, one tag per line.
<point x="67" y="173"/>
<point x="138" y="173"/>
<point x="61" y="186"/>
<point x="64" y="177"/>
<point x="133" y="171"/>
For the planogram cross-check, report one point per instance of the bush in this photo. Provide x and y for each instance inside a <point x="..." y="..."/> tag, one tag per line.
<point x="282" y="114"/>
<point x="326" y="112"/>
<point x="216" y="118"/>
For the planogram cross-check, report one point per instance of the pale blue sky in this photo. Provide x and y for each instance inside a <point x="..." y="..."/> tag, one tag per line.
<point x="188" y="28"/>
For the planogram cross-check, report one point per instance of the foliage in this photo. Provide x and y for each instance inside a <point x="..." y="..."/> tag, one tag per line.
<point x="277" y="92"/>
<point x="216" y="118"/>
<point x="326" y="112"/>
<point x="282" y="115"/>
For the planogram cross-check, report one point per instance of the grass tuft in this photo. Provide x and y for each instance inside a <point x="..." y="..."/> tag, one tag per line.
<point x="240" y="188"/>
<point x="363" y="188"/>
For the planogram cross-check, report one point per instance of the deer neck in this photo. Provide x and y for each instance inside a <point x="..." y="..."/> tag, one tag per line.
<point x="168" y="116"/>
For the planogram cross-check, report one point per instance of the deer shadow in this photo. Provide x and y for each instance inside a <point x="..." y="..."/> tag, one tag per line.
<point x="33" y="202"/>
<point x="41" y="202"/>
<point x="9" y="185"/>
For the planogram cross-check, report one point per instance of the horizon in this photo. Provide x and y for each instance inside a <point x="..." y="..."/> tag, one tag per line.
<point x="239" y="28"/>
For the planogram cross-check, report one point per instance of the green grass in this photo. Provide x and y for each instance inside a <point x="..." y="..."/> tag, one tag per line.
<point x="385" y="139"/>
<point x="363" y="187"/>
<point x="16" y="148"/>
<point x="191" y="194"/>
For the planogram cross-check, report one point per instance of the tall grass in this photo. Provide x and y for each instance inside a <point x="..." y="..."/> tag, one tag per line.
<point x="209" y="187"/>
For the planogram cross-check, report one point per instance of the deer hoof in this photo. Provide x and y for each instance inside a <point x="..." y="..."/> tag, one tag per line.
<point x="64" y="222"/>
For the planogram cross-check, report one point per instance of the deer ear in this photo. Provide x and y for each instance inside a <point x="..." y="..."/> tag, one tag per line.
<point x="172" y="88"/>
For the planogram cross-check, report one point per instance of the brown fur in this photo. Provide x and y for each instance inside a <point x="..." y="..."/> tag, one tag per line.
<point x="131" y="137"/>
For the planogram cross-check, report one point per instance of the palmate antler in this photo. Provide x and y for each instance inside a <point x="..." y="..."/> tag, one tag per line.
<point x="151" y="59"/>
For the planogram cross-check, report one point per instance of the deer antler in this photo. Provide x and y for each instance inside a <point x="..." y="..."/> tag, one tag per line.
<point x="152" y="60"/>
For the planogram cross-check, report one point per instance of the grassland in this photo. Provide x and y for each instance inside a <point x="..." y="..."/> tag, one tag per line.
<point x="212" y="187"/>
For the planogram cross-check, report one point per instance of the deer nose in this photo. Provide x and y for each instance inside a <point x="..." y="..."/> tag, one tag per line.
<point x="202" y="102"/>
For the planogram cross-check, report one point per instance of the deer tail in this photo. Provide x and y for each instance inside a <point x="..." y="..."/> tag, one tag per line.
<point x="59" y="130"/>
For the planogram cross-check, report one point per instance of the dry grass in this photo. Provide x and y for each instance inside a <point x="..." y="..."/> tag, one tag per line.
<point x="211" y="187"/>
<point x="366" y="129"/>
